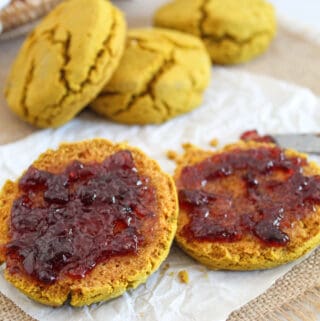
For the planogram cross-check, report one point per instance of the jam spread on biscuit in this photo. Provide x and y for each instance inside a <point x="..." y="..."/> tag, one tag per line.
<point x="253" y="135"/>
<point x="67" y="223"/>
<point x="258" y="191"/>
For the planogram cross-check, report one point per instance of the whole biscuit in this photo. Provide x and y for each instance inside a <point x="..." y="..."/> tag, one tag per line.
<point x="117" y="274"/>
<point x="162" y="74"/>
<point x="248" y="253"/>
<point x="233" y="31"/>
<point x="65" y="61"/>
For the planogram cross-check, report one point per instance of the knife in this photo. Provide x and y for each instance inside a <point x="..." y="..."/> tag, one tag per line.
<point x="306" y="143"/>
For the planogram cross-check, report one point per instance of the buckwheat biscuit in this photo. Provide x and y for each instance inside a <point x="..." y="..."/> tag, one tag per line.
<point x="65" y="62"/>
<point x="233" y="31"/>
<point x="66" y="236"/>
<point x="162" y="74"/>
<point x="248" y="206"/>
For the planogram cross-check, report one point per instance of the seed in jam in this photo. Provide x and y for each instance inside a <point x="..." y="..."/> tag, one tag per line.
<point x="257" y="191"/>
<point x="67" y="223"/>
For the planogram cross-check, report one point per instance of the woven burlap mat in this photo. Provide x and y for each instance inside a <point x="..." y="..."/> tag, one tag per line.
<point x="293" y="57"/>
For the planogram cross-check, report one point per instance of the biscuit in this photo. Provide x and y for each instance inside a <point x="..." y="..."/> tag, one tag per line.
<point x="261" y="243"/>
<point x="117" y="273"/>
<point x="234" y="31"/>
<point x="65" y="62"/>
<point x="162" y="74"/>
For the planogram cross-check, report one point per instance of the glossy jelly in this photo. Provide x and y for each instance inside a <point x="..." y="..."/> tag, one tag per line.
<point x="65" y="224"/>
<point x="258" y="191"/>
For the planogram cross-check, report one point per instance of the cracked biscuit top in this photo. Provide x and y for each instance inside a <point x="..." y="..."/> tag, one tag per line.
<point x="162" y="74"/>
<point x="234" y="31"/>
<point x="250" y="199"/>
<point x="65" y="62"/>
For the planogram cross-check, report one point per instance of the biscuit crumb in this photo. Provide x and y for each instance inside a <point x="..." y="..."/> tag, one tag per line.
<point x="214" y="142"/>
<point x="172" y="155"/>
<point x="183" y="276"/>
<point x="189" y="146"/>
<point x="171" y="274"/>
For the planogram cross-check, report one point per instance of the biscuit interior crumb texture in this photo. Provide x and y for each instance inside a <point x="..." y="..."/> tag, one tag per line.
<point x="183" y="276"/>
<point x="248" y="253"/>
<point x="65" y="61"/>
<point x="114" y="276"/>
<point x="233" y="31"/>
<point x="162" y="74"/>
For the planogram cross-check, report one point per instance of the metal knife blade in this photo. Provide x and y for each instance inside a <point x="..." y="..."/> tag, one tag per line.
<point x="306" y="143"/>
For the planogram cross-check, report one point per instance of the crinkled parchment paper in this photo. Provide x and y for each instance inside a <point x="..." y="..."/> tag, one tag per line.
<point x="234" y="102"/>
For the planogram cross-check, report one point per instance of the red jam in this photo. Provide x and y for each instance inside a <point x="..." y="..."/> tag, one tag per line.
<point x="258" y="191"/>
<point x="253" y="135"/>
<point x="66" y="223"/>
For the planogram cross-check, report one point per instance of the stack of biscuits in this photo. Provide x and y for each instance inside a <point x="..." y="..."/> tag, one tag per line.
<point x="83" y="58"/>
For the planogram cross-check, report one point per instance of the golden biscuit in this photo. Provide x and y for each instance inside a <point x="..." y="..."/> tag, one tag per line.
<point x="162" y="74"/>
<point x="65" y="62"/>
<point x="233" y="31"/>
<point x="247" y="206"/>
<point x="153" y="224"/>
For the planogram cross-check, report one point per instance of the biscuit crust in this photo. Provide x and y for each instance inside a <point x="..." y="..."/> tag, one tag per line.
<point x="156" y="79"/>
<point x="113" y="277"/>
<point x="233" y="31"/>
<point x="248" y="253"/>
<point x="65" y="62"/>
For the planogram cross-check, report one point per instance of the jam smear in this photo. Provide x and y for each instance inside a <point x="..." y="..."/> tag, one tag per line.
<point x="258" y="191"/>
<point x="253" y="135"/>
<point x="67" y="223"/>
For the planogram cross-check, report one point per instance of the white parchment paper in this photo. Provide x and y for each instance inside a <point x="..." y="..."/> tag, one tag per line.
<point x="234" y="102"/>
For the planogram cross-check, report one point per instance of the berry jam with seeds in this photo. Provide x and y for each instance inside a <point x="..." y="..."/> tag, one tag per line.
<point x="259" y="191"/>
<point x="67" y="223"/>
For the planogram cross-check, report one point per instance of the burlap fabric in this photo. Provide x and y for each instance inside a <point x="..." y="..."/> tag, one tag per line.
<point x="292" y="57"/>
<point x="17" y="17"/>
